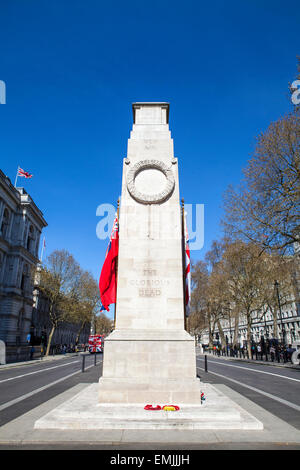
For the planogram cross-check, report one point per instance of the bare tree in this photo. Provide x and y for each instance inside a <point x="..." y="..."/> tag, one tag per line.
<point x="56" y="281"/>
<point x="198" y="319"/>
<point x="265" y="208"/>
<point x="85" y="301"/>
<point x="218" y="295"/>
<point x="248" y="276"/>
<point x="209" y="300"/>
<point x="280" y="270"/>
<point x="103" y="325"/>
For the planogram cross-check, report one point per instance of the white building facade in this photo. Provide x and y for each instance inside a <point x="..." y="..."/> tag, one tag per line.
<point x="21" y="225"/>
<point x="288" y="326"/>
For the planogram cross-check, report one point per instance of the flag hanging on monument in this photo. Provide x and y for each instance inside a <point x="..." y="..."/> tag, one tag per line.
<point x="108" y="276"/>
<point x="187" y="272"/>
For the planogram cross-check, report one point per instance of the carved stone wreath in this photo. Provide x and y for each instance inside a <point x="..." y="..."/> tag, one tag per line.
<point x="150" y="198"/>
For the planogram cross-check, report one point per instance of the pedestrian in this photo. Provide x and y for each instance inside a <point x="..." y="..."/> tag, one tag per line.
<point x="272" y="352"/>
<point x="285" y="354"/>
<point x="259" y="351"/>
<point x="277" y="352"/>
<point x="32" y="350"/>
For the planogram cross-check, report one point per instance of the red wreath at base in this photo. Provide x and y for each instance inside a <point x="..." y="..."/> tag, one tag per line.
<point x="153" y="408"/>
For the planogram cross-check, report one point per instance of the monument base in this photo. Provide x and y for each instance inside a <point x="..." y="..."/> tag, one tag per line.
<point x="83" y="411"/>
<point x="151" y="390"/>
<point x="147" y="366"/>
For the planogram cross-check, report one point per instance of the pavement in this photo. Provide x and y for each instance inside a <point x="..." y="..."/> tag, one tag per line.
<point x="39" y="360"/>
<point x="288" y="364"/>
<point x="21" y="433"/>
<point x="199" y="352"/>
<point x="276" y="434"/>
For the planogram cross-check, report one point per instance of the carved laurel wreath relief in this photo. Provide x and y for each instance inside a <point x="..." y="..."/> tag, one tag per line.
<point x="145" y="165"/>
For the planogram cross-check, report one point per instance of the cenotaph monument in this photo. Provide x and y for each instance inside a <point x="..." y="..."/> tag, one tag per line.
<point x="150" y="357"/>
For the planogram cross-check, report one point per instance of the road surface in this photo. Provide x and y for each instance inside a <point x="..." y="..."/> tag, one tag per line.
<point x="275" y="388"/>
<point x="28" y="385"/>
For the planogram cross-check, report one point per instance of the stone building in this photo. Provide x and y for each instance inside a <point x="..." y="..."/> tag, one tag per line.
<point x="288" y="327"/>
<point x="288" y="324"/>
<point x="262" y="325"/>
<point x="21" y="224"/>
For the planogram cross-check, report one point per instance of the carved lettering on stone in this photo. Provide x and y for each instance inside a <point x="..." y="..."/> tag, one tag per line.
<point x="149" y="292"/>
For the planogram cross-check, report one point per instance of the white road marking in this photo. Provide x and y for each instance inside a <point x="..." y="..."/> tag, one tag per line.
<point x="273" y="397"/>
<point x="255" y="370"/>
<point x="37" y="371"/>
<point x="27" y="395"/>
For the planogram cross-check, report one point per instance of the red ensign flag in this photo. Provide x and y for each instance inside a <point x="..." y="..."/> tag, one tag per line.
<point x="108" y="276"/>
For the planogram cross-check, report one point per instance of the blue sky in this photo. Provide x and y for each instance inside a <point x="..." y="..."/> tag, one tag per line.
<point x="73" y="68"/>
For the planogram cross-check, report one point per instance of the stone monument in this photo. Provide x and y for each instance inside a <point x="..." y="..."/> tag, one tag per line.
<point x="150" y="357"/>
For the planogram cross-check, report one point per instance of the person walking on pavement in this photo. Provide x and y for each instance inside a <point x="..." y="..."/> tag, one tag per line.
<point x="32" y="350"/>
<point x="272" y="352"/>
<point x="259" y="350"/>
<point x="285" y="354"/>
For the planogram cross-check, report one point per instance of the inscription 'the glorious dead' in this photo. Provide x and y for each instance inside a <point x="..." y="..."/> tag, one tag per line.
<point x="149" y="287"/>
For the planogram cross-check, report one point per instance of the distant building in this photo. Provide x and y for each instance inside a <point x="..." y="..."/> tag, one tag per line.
<point x="289" y="322"/>
<point x="262" y="326"/>
<point x="21" y="225"/>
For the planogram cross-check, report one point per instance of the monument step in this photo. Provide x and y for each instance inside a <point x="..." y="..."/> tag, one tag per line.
<point x="83" y="411"/>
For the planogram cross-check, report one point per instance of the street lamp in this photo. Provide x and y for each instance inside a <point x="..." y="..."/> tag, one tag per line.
<point x="276" y="285"/>
<point x="266" y="326"/>
<point x="230" y="332"/>
<point x="293" y="334"/>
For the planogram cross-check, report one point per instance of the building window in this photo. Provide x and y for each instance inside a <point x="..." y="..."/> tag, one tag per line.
<point x="30" y="239"/>
<point x="5" y="223"/>
<point x="19" y="326"/>
<point x="1" y="265"/>
<point x="20" y="319"/>
<point x="24" y="277"/>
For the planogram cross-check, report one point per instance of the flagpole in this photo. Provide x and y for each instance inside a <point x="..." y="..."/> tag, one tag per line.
<point x="183" y="258"/>
<point x="42" y="252"/>
<point x="115" y="314"/>
<point x="17" y="176"/>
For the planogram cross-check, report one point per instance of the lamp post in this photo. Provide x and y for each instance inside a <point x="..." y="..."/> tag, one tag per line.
<point x="266" y="327"/>
<point x="276" y="285"/>
<point x="267" y="336"/>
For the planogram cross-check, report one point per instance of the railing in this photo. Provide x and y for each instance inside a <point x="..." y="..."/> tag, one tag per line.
<point x="266" y="356"/>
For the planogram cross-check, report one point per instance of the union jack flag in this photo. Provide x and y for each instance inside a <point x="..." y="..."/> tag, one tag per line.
<point x="187" y="272"/>
<point x="24" y="173"/>
<point x="114" y="234"/>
